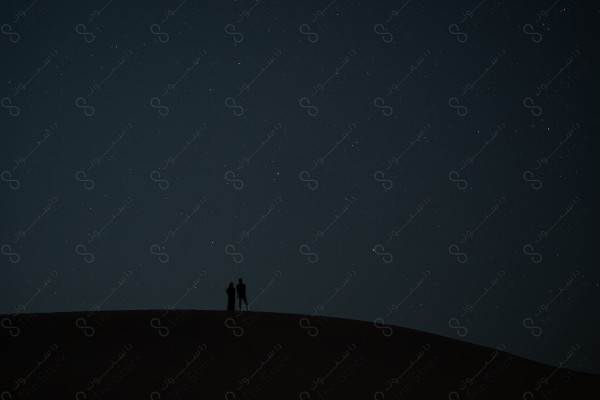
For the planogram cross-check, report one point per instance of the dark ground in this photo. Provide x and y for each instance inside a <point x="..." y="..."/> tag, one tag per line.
<point x="215" y="355"/>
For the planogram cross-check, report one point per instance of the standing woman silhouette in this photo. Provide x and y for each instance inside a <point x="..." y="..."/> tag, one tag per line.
<point x="230" y="297"/>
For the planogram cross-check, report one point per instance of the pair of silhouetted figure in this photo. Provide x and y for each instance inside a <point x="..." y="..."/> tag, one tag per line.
<point x="241" y="295"/>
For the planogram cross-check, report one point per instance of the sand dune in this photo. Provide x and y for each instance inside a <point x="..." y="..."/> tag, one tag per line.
<point x="185" y="354"/>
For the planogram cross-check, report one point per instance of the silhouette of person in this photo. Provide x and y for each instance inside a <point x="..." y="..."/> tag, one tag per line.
<point x="241" y="294"/>
<point x="230" y="297"/>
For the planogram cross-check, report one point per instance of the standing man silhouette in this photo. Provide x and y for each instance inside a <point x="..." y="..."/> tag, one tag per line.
<point x="230" y="297"/>
<point x="241" y="294"/>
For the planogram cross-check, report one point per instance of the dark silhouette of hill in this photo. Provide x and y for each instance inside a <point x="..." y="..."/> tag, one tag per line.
<point x="184" y="354"/>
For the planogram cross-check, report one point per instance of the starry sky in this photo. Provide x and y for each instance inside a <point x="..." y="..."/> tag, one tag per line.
<point x="421" y="163"/>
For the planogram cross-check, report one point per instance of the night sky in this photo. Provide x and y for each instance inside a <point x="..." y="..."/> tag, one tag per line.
<point x="420" y="163"/>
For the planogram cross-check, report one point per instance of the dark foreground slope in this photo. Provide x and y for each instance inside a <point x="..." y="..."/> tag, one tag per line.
<point x="218" y="355"/>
